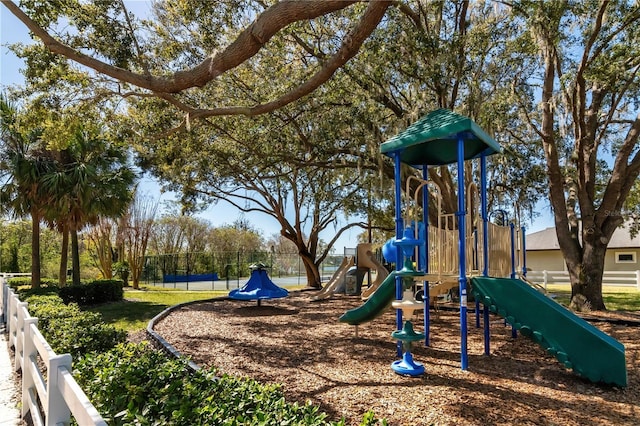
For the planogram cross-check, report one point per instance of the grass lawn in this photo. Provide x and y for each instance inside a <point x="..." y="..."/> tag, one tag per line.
<point x="615" y="298"/>
<point x="140" y="306"/>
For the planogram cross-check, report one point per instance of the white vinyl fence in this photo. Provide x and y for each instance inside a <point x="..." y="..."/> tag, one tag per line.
<point x="50" y="394"/>
<point x="610" y="278"/>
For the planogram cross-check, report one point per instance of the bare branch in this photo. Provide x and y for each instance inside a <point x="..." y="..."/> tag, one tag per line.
<point x="624" y="173"/>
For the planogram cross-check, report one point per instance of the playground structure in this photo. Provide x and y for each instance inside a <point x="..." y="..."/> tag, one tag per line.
<point x="259" y="287"/>
<point x="464" y="248"/>
<point x="337" y="280"/>
<point x="365" y="261"/>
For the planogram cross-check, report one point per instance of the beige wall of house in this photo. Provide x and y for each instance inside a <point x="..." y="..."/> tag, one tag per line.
<point x="622" y="259"/>
<point x="545" y="260"/>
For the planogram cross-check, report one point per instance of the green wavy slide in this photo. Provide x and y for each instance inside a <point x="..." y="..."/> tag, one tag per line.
<point x="577" y="344"/>
<point x="375" y="305"/>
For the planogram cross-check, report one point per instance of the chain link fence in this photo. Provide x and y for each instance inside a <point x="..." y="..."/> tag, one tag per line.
<point x="225" y="270"/>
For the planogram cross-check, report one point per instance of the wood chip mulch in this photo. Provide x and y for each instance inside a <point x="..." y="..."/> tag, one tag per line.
<point x="302" y="345"/>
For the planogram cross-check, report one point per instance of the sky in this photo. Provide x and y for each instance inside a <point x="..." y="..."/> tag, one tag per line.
<point x="13" y="31"/>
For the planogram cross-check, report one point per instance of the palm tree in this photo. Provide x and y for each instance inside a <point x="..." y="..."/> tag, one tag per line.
<point x="23" y="164"/>
<point x="92" y="180"/>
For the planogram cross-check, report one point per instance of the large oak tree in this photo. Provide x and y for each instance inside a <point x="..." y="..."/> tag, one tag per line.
<point x="477" y="58"/>
<point x="587" y="112"/>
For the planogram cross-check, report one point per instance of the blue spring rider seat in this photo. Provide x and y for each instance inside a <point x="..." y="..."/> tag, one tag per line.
<point x="259" y="287"/>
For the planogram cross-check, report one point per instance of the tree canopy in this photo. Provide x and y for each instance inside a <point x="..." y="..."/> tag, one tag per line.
<point x="588" y="121"/>
<point x="298" y="90"/>
<point x="106" y="38"/>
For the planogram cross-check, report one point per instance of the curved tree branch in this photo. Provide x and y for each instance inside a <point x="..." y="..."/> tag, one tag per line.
<point x="248" y="43"/>
<point x="350" y="46"/>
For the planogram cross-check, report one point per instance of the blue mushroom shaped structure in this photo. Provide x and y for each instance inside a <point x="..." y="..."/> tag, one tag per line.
<point x="259" y="287"/>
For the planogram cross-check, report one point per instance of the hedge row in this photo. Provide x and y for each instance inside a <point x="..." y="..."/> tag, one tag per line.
<point x="21" y="284"/>
<point x="71" y="330"/>
<point x="90" y="293"/>
<point x="134" y="384"/>
<point x="93" y="293"/>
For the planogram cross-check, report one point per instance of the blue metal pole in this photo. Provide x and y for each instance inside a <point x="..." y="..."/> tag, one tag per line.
<point x="399" y="234"/>
<point x="485" y="217"/>
<point x="464" y="361"/>
<point x="512" y="226"/>
<point x="476" y="266"/>
<point x="485" y="252"/>
<point x="487" y="331"/>
<point x="425" y="284"/>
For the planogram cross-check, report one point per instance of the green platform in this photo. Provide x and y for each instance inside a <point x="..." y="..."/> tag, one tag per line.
<point x="576" y="343"/>
<point x="376" y="304"/>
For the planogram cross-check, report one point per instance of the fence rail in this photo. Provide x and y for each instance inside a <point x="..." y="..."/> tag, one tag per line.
<point x="50" y="395"/>
<point x="610" y="278"/>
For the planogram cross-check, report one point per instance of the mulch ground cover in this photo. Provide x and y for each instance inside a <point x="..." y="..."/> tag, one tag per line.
<point x="302" y="345"/>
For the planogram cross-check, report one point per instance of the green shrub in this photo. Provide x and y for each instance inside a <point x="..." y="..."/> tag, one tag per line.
<point x="48" y="307"/>
<point x="17" y="282"/>
<point x="25" y="292"/>
<point x="22" y="284"/>
<point x="82" y="333"/>
<point x="93" y="293"/>
<point x="71" y="330"/>
<point x="133" y="384"/>
<point x="108" y="290"/>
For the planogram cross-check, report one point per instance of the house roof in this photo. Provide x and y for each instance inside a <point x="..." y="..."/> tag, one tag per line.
<point x="433" y="140"/>
<point x="547" y="239"/>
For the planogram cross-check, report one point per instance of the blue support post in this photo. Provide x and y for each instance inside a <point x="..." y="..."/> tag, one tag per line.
<point x="487" y="331"/>
<point x="464" y="361"/>
<point x="485" y="216"/>
<point x="399" y="234"/>
<point x="476" y="260"/>
<point x="512" y="226"/>
<point x="485" y="251"/>
<point x="425" y="284"/>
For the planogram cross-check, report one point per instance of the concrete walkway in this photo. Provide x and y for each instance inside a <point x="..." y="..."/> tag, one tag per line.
<point x="9" y="413"/>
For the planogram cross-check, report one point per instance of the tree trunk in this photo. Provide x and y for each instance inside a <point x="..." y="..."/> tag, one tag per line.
<point x="312" y="271"/>
<point x="35" y="249"/>
<point x="75" y="257"/>
<point x="131" y="262"/>
<point x="135" y="268"/>
<point x="64" y="257"/>
<point x="586" y="276"/>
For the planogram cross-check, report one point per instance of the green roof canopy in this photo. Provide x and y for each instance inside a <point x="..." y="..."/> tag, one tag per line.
<point x="433" y="140"/>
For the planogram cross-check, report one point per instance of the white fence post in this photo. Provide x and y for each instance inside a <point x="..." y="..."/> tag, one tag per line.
<point x="22" y="313"/>
<point x="55" y="405"/>
<point x="12" y="320"/>
<point x="4" y="305"/>
<point x="544" y="279"/>
<point x="29" y="353"/>
<point x="60" y="395"/>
